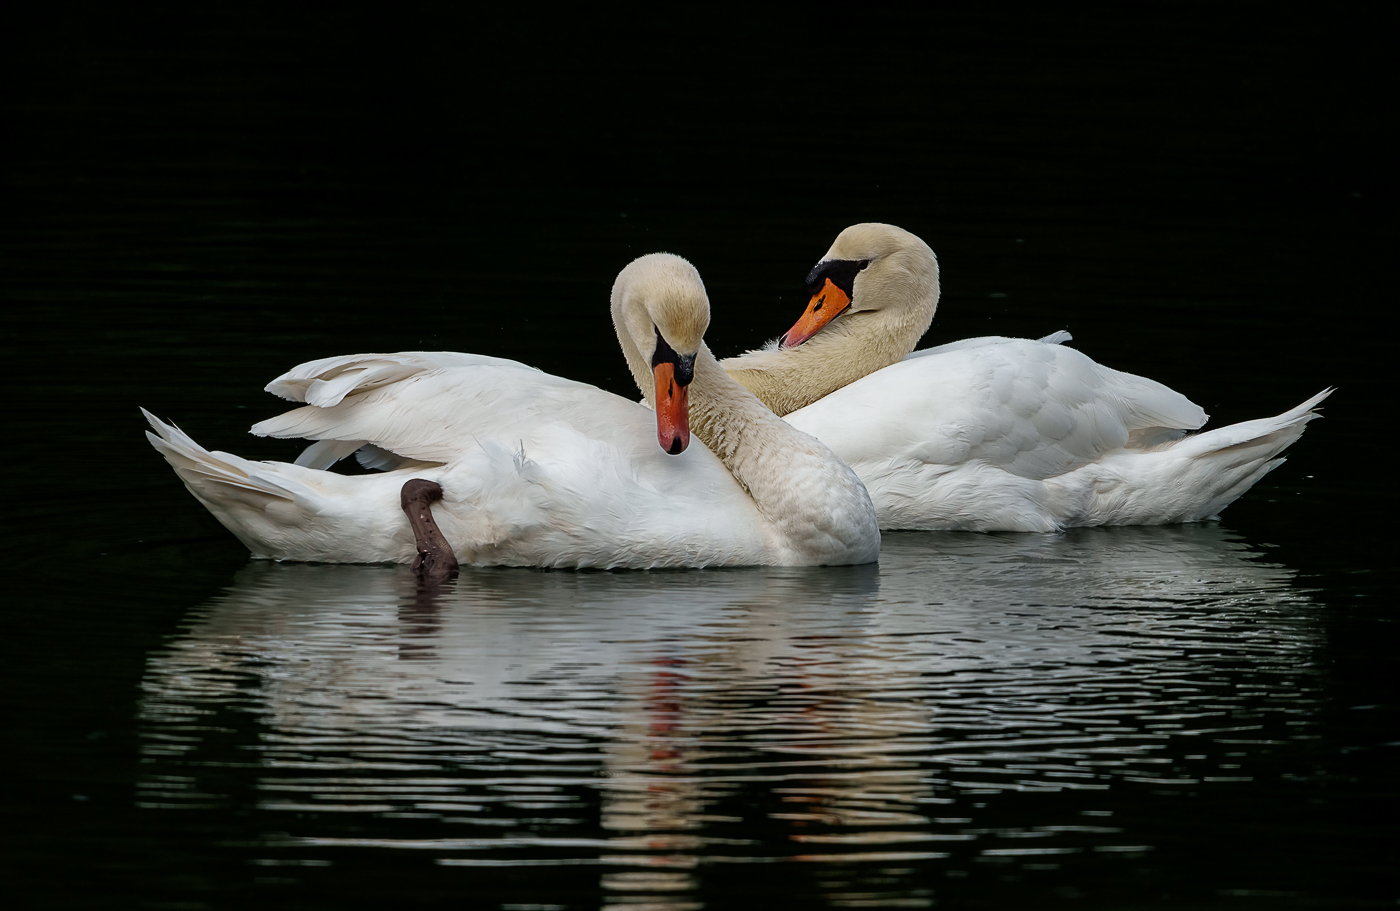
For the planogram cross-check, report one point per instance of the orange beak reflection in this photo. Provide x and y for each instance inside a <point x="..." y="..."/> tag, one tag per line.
<point x="672" y="410"/>
<point x="827" y="304"/>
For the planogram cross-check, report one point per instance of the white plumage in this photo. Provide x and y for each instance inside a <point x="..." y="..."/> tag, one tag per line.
<point x="537" y="470"/>
<point x="995" y="434"/>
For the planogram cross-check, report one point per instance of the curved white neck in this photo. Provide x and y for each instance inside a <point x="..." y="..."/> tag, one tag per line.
<point x="812" y="506"/>
<point x="813" y="502"/>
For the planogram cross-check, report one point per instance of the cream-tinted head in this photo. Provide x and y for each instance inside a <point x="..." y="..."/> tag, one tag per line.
<point x="871" y="267"/>
<point x="660" y="311"/>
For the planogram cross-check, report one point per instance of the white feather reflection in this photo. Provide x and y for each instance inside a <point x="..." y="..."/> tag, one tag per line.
<point x="664" y="720"/>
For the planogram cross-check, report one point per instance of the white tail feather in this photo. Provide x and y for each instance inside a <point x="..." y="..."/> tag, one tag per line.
<point x="1273" y="434"/>
<point x="202" y="470"/>
<point x="1187" y="480"/>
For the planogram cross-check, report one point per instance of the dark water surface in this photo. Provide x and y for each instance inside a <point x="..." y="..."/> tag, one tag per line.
<point x="198" y="198"/>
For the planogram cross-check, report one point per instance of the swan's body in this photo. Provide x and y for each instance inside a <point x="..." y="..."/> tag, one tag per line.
<point x="538" y="470"/>
<point x="992" y="434"/>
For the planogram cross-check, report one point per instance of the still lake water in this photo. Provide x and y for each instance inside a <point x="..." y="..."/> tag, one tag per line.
<point x="1187" y="717"/>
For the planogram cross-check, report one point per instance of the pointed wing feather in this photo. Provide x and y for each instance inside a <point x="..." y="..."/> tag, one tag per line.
<point x="433" y="415"/>
<point x="326" y="382"/>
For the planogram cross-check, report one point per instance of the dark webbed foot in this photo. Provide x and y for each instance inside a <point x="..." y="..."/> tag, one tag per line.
<point x="435" y="562"/>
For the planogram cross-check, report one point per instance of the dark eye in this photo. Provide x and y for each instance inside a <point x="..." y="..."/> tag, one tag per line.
<point x="864" y="264"/>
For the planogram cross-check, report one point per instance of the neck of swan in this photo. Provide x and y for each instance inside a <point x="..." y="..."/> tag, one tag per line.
<point x="731" y="421"/>
<point x="854" y="345"/>
<point x="815" y="508"/>
<point x="814" y="504"/>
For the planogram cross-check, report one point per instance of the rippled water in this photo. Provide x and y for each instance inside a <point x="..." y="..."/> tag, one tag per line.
<point x="974" y="703"/>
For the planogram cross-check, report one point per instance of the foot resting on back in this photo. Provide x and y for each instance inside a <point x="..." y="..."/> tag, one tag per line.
<point x="435" y="562"/>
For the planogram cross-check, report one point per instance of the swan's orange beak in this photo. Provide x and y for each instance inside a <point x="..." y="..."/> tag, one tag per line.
<point x="827" y="304"/>
<point x="672" y="409"/>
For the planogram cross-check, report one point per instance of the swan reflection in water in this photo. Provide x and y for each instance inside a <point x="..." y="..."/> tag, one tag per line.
<point x="654" y="721"/>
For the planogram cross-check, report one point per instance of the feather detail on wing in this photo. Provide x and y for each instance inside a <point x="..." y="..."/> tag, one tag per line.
<point x="432" y="414"/>
<point x="328" y="381"/>
<point x="1035" y="409"/>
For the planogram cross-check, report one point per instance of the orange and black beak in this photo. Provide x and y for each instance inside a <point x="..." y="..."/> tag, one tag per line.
<point x="826" y="304"/>
<point x="673" y="374"/>
<point x="832" y="286"/>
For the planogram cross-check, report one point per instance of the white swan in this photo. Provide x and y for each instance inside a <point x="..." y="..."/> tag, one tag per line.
<point x="991" y="434"/>
<point x="542" y="471"/>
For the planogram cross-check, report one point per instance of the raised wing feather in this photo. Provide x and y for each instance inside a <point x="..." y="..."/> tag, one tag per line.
<point x="433" y="414"/>
<point x="328" y="381"/>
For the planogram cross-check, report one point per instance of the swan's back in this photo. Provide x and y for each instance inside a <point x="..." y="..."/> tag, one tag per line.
<point x="1032" y="409"/>
<point x="536" y="470"/>
<point x="992" y="434"/>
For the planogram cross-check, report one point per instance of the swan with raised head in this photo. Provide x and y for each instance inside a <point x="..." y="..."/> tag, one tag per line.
<point x="991" y="434"/>
<point x="536" y="470"/>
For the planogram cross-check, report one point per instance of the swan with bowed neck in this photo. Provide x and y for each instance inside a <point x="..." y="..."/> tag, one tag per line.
<point x="991" y="434"/>
<point x="541" y="471"/>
